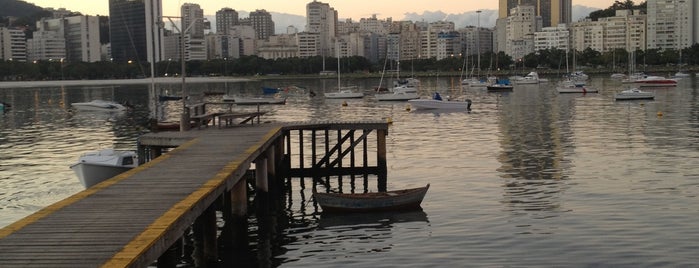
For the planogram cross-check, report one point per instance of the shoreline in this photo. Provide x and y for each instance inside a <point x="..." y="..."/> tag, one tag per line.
<point x="140" y="81"/>
<point x="216" y="79"/>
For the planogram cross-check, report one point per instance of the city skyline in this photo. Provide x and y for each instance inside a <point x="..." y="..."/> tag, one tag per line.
<point x="346" y="9"/>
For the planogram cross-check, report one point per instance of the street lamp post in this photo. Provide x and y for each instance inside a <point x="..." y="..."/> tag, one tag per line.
<point x="478" y="41"/>
<point x="184" y="119"/>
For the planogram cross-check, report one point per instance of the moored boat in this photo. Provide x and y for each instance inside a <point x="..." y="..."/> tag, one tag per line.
<point x="399" y="200"/>
<point x="253" y="100"/>
<point x="99" y="105"/>
<point x="575" y="87"/>
<point x="634" y="94"/>
<point x="95" y="167"/>
<point x="396" y="96"/>
<point x="656" y="81"/>
<point x="344" y="93"/>
<point x="438" y="103"/>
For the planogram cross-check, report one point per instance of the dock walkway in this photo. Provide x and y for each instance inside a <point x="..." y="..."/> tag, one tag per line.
<point x="132" y="219"/>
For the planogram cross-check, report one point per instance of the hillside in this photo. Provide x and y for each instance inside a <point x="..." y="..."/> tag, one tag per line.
<point x="17" y="8"/>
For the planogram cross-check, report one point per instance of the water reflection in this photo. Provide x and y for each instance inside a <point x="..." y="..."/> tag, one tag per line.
<point x="532" y="150"/>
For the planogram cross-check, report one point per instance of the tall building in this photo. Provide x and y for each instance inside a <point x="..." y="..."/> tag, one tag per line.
<point x="192" y="20"/>
<point x="226" y="18"/>
<point x="672" y="23"/>
<point x="192" y="30"/>
<point x="13" y="45"/>
<point x="321" y="19"/>
<point x="552" y="12"/>
<point x="135" y="30"/>
<point x="263" y="24"/>
<point x="80" y="36"/>
<point x="521" y="26"/>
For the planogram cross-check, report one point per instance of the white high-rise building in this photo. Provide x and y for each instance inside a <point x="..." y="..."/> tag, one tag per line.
<point x="13" y="45"/>
<point x="321" y="19"/>
<point x="521" y="26"/>
<point x="80" y="36"/>
<point x="626" y="30"/>
<point x="193" y="26"/>
<point x="46" y="45"/>
<point x="552" y="37"/>
<point x="671" y="23"/>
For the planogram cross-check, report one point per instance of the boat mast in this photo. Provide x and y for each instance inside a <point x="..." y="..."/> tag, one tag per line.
<point x="338" y="64"/>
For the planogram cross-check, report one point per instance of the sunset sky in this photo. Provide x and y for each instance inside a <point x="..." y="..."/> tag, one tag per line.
<point x="354" y="9"/>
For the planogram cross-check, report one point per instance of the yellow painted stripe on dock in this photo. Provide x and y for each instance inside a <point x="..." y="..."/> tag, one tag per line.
<point x="145" y="240"/>
<point x="8" y="230"/>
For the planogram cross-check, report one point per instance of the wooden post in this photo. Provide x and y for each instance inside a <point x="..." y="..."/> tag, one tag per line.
<point x="205" y="248"/>
<point x="141" y="152"/>
<point x="238" y="225"/>
<point x="171" y="257"/>
<point x="271" y="170"/>
<point x="261" y="181"/>
<point x="300" y="136"/>
<point x="381" y="159"/>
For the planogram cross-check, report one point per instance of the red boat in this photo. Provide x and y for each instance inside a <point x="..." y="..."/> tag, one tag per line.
<point x="656" y="81"/>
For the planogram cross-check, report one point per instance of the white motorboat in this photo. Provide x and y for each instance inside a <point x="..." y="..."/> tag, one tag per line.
<point x="618" y="76"/>
<point x="254" y="100"/>
<point x="681" y="74"/>
<point x="396" y="96"/>
<point x="438" y="103"/>
<point x="98" y="105"/>
<point x="95" y="167"/>
<point x="529" y="79"/>
<point x="634" y="94"/>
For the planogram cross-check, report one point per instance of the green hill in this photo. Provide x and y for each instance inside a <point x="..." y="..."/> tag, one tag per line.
<point x="17" y="8"/>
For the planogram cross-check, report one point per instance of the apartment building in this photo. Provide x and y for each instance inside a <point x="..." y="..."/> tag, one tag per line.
<point x="13" y="45"/>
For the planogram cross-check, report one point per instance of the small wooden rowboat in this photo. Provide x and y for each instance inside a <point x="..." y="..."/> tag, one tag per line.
<point x="399" y="200"/>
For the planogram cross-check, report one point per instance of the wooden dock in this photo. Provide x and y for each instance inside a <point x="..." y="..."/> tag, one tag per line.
<point x="133" y="219"/>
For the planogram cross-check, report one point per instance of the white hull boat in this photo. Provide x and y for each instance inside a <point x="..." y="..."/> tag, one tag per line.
<point x="98" y="105"/>
<point x="569" y="89"/>
<point x="403" y="89"/>
<point x="575" y="87"/>
<point x="634" y="94"/>
<point x="254" y="100"/>
<point x="396" y="96"/>
<point x="431" y="104"/>
<point x="530" y="79"/>
<point x="95" y="167"/>
<point x="344" y="94"/>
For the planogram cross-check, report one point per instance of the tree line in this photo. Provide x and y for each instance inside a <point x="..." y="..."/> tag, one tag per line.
<point x="550" y="59"/>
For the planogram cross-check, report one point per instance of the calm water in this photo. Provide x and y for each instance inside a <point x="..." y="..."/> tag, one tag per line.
<point x="529" y="178"/>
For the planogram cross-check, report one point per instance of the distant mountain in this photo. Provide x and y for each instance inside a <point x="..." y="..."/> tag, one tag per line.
<point x="487" y="18"/>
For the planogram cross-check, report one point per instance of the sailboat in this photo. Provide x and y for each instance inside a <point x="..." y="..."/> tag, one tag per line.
<point x="343" y="92"/>
<point x="397" y="93"/>
<point x="575" y="82"/>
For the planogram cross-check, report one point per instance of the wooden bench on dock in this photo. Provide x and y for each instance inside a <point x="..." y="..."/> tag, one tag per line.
<point x="199" y="117"/>
<point x="226" y="119"/>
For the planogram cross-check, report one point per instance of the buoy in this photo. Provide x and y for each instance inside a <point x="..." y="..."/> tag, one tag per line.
<point x="660" y="114"/>
<point x="344" y="103"/>
<point x="389" y="120"/>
